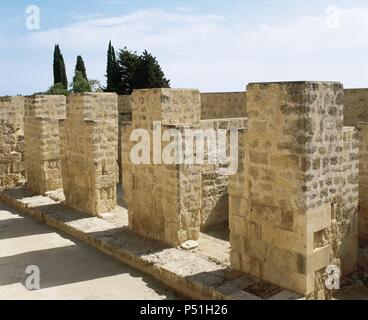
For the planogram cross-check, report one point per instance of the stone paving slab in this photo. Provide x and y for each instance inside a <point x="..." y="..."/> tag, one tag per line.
<point x="190" y="273"/>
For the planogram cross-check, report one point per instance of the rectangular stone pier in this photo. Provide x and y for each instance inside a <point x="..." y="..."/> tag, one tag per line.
<point x="12" y="171"/>
<point x="89" y="139"/>
<point x="164" y="200"/>
<point x="293" y="207"/>
<point x="42" y="142"/>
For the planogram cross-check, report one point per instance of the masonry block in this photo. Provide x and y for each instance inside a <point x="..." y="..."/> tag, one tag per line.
<point x="42" y="142"/>
<point x="89" y="139"/>
<point x="12" y="171"/>
<point x="298" y="188"/>
<point x="164" y="200"/>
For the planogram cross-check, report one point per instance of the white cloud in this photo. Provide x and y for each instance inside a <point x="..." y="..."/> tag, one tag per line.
<point x="212" y="53"/>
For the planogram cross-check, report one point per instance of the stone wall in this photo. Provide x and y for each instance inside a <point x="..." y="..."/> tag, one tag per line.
<point x="215" y="196"/>
<point x="12" y="171"/>
<point x="223" y="105"/>
<point x="42" y="142"/>
<point x="125" y="115"/>
<point x="164" y="201"/>
<point x="363" y="182"/>
<point x="355" y="106"/>
<point x="282" y="207"/>
<point x="89" y="139"/>
<point x="345" y="209"/>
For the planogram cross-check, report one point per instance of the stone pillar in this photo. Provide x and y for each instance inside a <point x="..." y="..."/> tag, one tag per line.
<point x="164" y="201"/>
<point x="12" y="171"/>
<point x="282" y="216"/>
<point x="42" y="142"/>
<point x="89" y="139"/>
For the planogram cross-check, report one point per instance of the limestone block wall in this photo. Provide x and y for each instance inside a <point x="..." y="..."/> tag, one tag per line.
<point x="89" y="140"/>
<point x="125" y="115"/>
<point x="282" y="205"/>
<point x="12" y="171"/>
<point x="164" y="201"/>
<point x="42" y="142"/>
<point x="215" y="196"/>
<point x="223" y="105"/>
<point x="345" y="209"/>
<point x="355" y="106"/>
<point x="363" y="181"/>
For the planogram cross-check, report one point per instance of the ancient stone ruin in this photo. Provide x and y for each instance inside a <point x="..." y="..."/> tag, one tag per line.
<point x="296" y="205"/>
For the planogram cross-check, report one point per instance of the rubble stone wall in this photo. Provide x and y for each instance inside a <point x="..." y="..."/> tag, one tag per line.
<point x="281" y="208"/>
<point x="12" y="170"/>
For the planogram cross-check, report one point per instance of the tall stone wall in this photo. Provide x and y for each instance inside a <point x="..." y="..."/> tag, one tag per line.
<point x="125" y="115"/>
<point x="282" y="206"/>
<point x="355" y="106"/>
<point x="12" y="171"/>
<point x="363" y="181"/>
<point x="89" y="139"/>
<point x="42" y="142"/>
<point x="223" y="105"/>
<point x="345" y="207"/>
<point x="164" y="201"/>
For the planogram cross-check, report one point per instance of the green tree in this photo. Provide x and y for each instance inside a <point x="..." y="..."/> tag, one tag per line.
<point x="149" y="73"/>
<point x="57" y="89"/>
<point x="59" y="68"/>
<point x="80" y="84"/>
<point x="81" y="67"/>
<point x="112" y="71"/>
<point x="139" y="72"/>
<point x="128" y="63"/>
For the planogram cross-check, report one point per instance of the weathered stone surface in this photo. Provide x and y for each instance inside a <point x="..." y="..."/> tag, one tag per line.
<point x="164" y="201"/>
<point x="89" y="139"/>
<point x="42" y="142"/>
<point x="355" y="106"/>
<point x="125" y="115"/>
<point x="363" y="181"/>
<point x="12" y="170"/>
<point x="222" y="105"/>
<point x="293" y="208"/>
<point x="215" y="196"/>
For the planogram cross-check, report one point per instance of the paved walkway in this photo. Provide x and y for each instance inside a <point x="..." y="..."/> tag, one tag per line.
<point x="69" y="269"/>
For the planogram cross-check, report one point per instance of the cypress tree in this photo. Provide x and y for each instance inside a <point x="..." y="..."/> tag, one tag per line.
<point x="149" y="73"/>
<point x="128" y="62"/>
<point x="59" y="68"/>
<point x="81" y="67"/>
<point x="112" y="71"/>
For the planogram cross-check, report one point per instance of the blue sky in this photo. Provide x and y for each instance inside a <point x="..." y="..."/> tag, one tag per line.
<point x="211" y="45"/>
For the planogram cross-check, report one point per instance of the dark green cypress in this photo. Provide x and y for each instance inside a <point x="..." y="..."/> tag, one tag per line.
<point x="112" y="71"/>
<point x="59" y="68"/>
<point x="149" y="73"/>
<point x="81" y="67"/>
